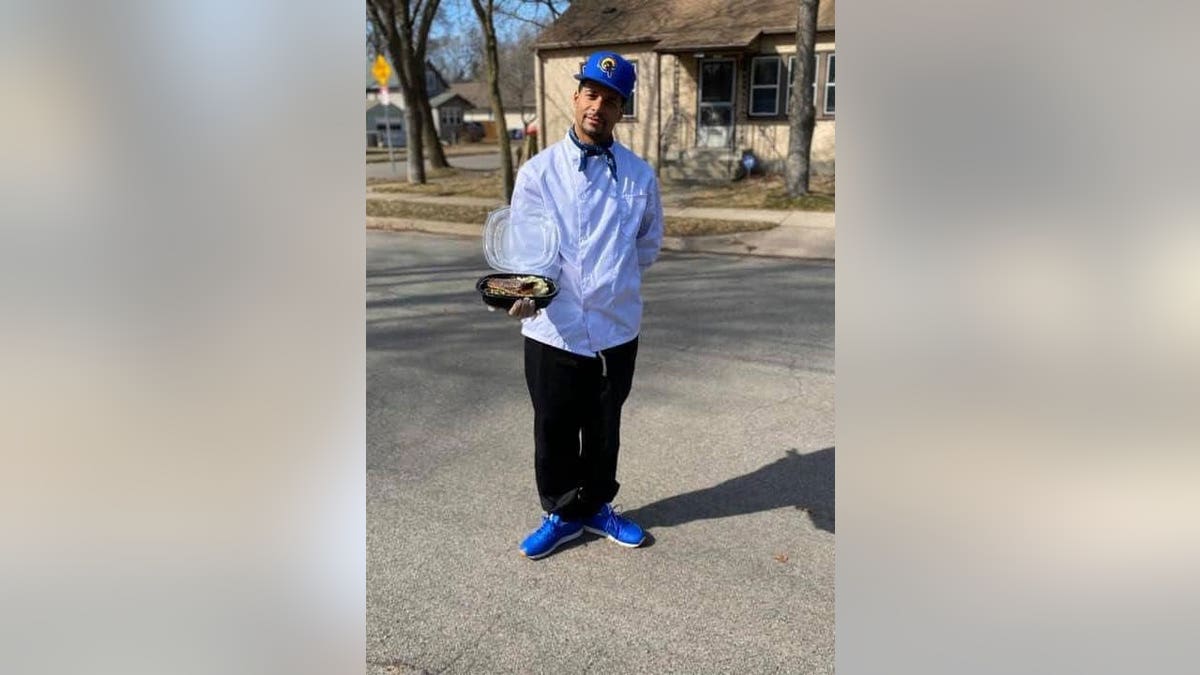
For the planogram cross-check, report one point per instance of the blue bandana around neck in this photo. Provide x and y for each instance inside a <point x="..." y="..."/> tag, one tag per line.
<point x="588" y="150"/>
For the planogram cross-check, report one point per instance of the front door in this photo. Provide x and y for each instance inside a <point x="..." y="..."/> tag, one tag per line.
<point x="714" y="121"/>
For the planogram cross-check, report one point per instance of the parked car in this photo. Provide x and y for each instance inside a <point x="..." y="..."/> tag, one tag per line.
<point x="472" y="132"/>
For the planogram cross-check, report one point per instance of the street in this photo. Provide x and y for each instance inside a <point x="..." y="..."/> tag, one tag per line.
<point x="727" y="460"/>
<point x="486" y="161"/>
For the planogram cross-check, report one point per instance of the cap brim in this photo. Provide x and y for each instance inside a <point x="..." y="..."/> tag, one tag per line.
<point x="584" y="78"/>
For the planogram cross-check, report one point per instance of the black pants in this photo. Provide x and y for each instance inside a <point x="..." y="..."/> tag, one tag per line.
<point x="577" y="424"/>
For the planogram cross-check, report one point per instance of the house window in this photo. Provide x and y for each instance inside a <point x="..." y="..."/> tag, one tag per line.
<point x="792" y="78"/>
<point x="764" y="85"/>
<point x="630" y="109"/>
<point x="829" y="92"/>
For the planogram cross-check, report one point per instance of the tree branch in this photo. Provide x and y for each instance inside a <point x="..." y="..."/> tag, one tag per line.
<point x="428" y="12"/>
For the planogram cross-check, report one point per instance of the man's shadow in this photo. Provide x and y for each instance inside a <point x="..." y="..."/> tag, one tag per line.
<point x="803" y="482"/>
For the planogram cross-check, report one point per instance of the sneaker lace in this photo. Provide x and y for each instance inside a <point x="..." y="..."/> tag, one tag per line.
<point x="614" y="520"/>
<point x="550" y="523"/>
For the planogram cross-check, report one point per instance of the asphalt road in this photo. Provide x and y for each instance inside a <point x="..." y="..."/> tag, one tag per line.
<point x="487" y="161"/>
<point x="727" y="459"/>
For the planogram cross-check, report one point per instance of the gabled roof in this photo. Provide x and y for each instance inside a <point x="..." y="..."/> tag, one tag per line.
<point x="375" y="109"/>
<point x="676" y="25"/>
<point x="476" y="91"/>
<point x="446" y="96"/>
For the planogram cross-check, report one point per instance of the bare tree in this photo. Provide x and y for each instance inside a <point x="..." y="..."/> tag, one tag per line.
<point x="540" y="13"/>
<point x="437" y="156"/>
<point x="485" y="11"/>
<point x="555" y="7"/>
<point x="404" y="26"/>
<point x="804" y="112"/>
<point x="375" y="46"/>
<point x="517" y="74"/>
<point x="458" y="53"/>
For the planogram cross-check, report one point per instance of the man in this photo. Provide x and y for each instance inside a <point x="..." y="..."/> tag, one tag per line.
<point x="580" y="349"/>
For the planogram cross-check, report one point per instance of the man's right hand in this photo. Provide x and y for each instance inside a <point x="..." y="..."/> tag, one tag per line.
<point x="523" y="309"/>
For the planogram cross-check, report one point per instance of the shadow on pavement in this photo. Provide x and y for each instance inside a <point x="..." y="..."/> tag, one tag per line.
<point x="783" y="306"/>
<point x="804" y="482"/>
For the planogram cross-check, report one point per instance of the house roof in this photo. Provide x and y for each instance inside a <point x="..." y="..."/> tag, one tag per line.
<point x="476" y="92"/>
<point x="375" y="111"/>
<point x="676" y="25"/>
<point x="448" y="95"/>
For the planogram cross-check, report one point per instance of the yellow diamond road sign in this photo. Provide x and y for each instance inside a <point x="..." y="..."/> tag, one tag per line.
<point x="382" y="71"/>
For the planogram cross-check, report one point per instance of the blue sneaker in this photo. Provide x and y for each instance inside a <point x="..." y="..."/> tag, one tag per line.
<point x="617" y="528"/>
<point x="553" y="532"/>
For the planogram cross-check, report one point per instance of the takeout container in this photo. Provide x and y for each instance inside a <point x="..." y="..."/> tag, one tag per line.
<point x="519" y="245"/>
<point x="506" y="301"/>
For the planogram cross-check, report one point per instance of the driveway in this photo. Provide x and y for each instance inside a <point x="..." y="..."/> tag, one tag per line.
<point x="727" y="459"/>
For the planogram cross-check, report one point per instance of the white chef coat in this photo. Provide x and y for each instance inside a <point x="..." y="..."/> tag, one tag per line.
<point x="610" y="231"/>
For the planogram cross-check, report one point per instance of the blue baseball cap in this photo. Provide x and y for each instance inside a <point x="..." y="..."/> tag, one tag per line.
<point x="610" y="70"/>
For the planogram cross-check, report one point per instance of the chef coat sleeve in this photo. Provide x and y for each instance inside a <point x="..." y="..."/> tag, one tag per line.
<point x="650" y="234"/>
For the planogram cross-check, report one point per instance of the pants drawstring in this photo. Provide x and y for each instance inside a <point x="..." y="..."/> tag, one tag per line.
<point x="603" y="365"/>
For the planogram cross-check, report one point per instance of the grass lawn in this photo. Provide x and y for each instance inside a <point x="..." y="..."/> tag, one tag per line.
<point x="768" y="192"/>
<point x="751" y="193"/>
<point x="454" y="213"/>
<point x="446" y="182"/>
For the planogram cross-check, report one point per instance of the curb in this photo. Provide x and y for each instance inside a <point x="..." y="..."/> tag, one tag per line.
<point x="427" y="226"/>
<point x="434" y="199"/>
<point x="810" y="243"/>
<point x="806" y="235"/>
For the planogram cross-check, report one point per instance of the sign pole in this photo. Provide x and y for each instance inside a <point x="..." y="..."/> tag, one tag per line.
<point x="387" y="123"/>
<point x="383" y="72"/>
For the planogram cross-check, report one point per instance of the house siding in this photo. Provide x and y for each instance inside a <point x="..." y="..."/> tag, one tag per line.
<point x="557" y="86"/>
<point x="768" y="137"/>
<point x="667" y="103"/>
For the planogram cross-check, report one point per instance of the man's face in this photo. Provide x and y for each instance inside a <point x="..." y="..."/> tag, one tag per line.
<point x="597" y="111"/>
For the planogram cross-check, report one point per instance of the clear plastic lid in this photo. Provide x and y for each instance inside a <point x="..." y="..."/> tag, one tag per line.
<point x="524" y="242"/>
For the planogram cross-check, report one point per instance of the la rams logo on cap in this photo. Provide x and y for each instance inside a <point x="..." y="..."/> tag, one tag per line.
<point x="609" y="65"/>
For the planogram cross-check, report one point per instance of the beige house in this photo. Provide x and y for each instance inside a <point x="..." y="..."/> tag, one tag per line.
<point x="713" y="80"/>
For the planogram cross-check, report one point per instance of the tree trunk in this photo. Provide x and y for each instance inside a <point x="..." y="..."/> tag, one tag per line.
<point x="433" y="146"/>
<point x="437" y="154"/>
<point x="485" y="11"/>
<point x="804" y="113"/>
<point x="415" y="151"/>
<point x="413" y="122"/>
<point x="406" y="44"/>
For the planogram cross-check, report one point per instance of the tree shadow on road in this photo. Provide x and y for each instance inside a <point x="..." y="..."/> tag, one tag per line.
<point x="803" y="482"/>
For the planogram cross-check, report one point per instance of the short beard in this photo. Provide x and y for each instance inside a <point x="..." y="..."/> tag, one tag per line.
<point x="599" y="137"/>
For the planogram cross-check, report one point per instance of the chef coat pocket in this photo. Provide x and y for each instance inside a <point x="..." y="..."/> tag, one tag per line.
<point x="633" y="207"/>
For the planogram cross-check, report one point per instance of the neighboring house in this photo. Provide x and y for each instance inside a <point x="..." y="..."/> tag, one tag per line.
<point x="520" y="104"/>
<point x="378" y="124"/>
<point x="434" y="84"/>
<point x="714" y="79"/>
<point x="448" y="110"/>
<point x="375" y="117"/>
